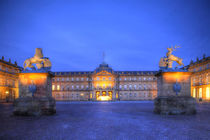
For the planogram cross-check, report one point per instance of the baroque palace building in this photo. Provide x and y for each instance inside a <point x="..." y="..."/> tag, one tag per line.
<point x="105" y="84"/>
<point x="8" y="80"/>
<point x="200" y="78"/>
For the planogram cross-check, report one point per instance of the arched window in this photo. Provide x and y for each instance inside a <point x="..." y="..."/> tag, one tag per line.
<point x="125" y="86"/>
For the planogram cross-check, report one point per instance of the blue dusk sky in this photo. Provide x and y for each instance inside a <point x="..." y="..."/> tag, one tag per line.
<point x="134" y="34"/>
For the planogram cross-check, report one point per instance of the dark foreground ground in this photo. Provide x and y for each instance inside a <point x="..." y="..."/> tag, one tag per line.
<point x="105" y="120"/>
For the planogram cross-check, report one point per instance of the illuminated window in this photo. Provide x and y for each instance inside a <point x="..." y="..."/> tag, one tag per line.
<point x="87" y="79"/>
<point x="104" y="85"/>
<point x="72" y="86"/>
<point x="58" y="79"/>
<point x="200" y="92"/>
<point x="97" y="78"/>
<point x="77" y="79"/>
<point x="110" y="78"/>
<point x="130" y="86"/>
<point x="139" y="78"/>
<point x="134" y="78"/>
<point x="72" y="79"/>
<point x="144" y="78"/>
<point x="207" y="93"/>
<point x="82" y="79"/>
<point x="53" y="87"/>
<point x="97" y="85"/>
<point x="67" y="79"/>
<point x="87" y="86"/>
<point x="130" y="78"/>
<point x="91" y="96"/>
<point x="120" y="86"/>
<point x="120" y="79"/>
<point x="58" y="87"/>
<point x="104" y="78"/>
<point x="125" y="86"/>
<point x="77" y="86"/>
<point x="82" y="86"/>
<point x="194" y="93"/>
<point x="134" y="86"/>
<point x="62" y="79"/>
<point x="125" y="79"/>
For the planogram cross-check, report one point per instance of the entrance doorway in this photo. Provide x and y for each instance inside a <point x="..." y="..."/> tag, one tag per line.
<point x="104" y="96"/>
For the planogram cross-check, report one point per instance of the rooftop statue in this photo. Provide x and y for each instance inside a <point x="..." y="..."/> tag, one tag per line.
<point x="166" y="62"/>
<point x="38" y="59"/>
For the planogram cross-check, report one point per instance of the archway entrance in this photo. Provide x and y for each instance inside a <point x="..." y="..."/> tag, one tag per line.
<point x="104" y="95"/>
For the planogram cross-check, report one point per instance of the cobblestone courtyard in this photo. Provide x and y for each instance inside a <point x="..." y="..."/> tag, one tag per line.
<point x="105" y="120"/>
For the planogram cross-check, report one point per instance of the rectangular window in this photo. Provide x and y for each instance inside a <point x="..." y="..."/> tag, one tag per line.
<point x="208" y="93"/>
<point x="53" y="87"/>
<point x="200" y="92"/>
<point x="58" y="87"/>
<point x="194" y="94"/>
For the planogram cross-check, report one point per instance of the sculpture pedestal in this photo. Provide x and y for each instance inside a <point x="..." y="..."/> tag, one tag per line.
<point x="169" y="101"/>
<point x="174" y="105"/>
<point x="42" y="102"/>
<point x="34" y="106"/>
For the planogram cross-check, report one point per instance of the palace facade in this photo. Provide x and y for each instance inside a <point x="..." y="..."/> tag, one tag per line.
<point x="104" y="84"/>
<point x="8" y="80"/>
<point x="200" y="79"/>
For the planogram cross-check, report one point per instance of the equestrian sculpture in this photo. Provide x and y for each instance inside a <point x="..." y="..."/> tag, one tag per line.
<point x="166" y="62"/>
<point x="39" y="60"/>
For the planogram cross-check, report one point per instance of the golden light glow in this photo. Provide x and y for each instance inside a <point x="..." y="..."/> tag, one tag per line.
<point x="82" y="94"/>
<point x="91" y="95"/>
<point x="207" y="93"/>
<point x="36" y="78"/>
<point x="7" y="92"/>
<point x="53" y="87"/>
<point x="104" y="98"/>
<point x="176" y="76"/>
<point x="200" y="92"/>
<point x="194" y="93"/>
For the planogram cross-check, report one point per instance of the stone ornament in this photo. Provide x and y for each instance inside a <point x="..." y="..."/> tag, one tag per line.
<point x="38" y="59"/>
<point x="167" y="61"/>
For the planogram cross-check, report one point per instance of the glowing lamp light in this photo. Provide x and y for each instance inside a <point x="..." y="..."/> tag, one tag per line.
<point x="104" y="98"/>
